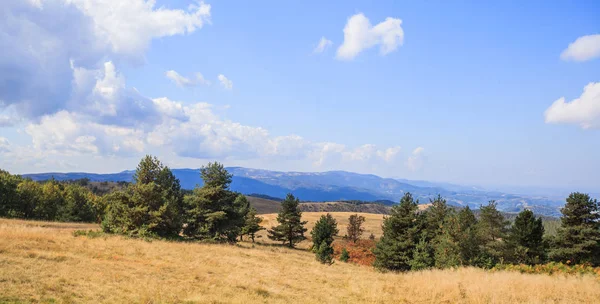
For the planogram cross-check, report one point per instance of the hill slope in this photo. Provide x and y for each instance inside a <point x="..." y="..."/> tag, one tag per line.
<point x="46" y="263"/>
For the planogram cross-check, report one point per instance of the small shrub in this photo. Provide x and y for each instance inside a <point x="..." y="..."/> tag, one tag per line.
<point x="345" y="255"/>
<point x="92" y="234"/>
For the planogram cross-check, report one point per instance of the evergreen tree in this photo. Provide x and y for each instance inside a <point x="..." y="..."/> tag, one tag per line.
<point x="436" y="215"/>
<point x="447" y="244"/>
<point x="152" y="206"/>
<point x="468" y="241"/>
<point x="324" y="231"/>
<point x="421" y="257"/>
<point x="401" y="232"/>
<point x="344" y="256"/>
<point x="578" y="238"/>
<point x="355" y="229"/>
<point x="526" y="239"/>
<point x="9" y="196"/>
<point x="324" y="253"/>
<point x="252" y="225"/>
<point x="492" y="229"/>
<point x="291" y="227"/>
<point x="213" y="212"/>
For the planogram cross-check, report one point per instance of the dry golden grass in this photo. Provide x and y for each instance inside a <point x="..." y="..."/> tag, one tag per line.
<point x="372" y="224"/>
<point x="49" y="264"/>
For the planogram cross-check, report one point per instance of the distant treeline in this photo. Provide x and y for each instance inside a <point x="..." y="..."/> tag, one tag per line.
<point x="155" y="206"/>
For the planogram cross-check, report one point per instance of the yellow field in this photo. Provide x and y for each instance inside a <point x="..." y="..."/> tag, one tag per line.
<point x="44" y="262"/>
<point x="372" y="224"/>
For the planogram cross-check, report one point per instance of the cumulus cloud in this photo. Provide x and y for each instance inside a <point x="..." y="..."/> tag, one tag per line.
<point x="389" y="154"/>
<point x="583" y="111"/>
<point x="186" y="82"/>
<point x="583" y="49"/>
<point x="360" y="35"/>
<point x="323" y="45"/>
<point x="43" y="42"/>
<point x="415" y="161"/>
<point x="226" y="83"/>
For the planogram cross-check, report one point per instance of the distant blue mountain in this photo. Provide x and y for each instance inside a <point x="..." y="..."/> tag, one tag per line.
<point x="341" y="185"/>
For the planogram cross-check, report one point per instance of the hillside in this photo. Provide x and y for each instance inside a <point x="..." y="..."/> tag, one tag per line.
<point x="44" y="262"/>
<point x="342" y="185"/>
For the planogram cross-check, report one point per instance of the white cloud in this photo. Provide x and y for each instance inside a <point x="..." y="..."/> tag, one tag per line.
<point x="44" y="41"/>
<point x="584" y="48"/>
<point x="186" y="82"/>
<point x="584" y="111"/>
<point x="415" y="161"/>
<point x="130" y="26"/>
<point x="389" y="154"/>
<point x="323" y="45"/>
<point x="360" y="35"/>
<point x="226" y="83"/>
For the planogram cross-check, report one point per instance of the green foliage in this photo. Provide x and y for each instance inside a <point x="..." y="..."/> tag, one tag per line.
<point x="9" y="196"/>
<point x="79" y="205"/>
<point x="215" y="175"/>
<point x="526" y="239"/>
<point x="324" y="231"/>
<point x="468" y="238"/>
<point x="345" y="256"/>
<point x="401" y="232"/>
<point x="322" y="235"/>
<point x="355" y="229"/>
<point x="578" y="239"/>
<point x="252" y="225"/>
<point x="492" y="231"/>
<point x="291" y="227"/>
<point x="324" y="253"/>
<point x="421" y="257"/>
<point x="150" y="207"/>
<point x="447" y="245"/>
<point x="436" y="216"/>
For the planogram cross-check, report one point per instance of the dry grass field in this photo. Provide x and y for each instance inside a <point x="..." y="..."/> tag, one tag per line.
<point x="44" y="263"/>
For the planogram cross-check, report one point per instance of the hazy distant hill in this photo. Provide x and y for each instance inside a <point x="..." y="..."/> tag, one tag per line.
<point x="341" y="185"/>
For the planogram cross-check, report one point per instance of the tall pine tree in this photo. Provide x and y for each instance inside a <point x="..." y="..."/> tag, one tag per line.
<point x="322" y="236"/>
<point x="401" y="232"/>
<point x="526" y="239"/>
<point x="492" y="229"/>
<point x="578" y="238"/>
<point x="291" y="227"/>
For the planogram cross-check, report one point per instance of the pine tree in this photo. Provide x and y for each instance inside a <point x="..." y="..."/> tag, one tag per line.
<point x="401" y="231"/>
<point x="436" y="215"/>
<point x="344" y="256"/>
<point x="447" y="245"/>
<point x="213" y="212"/>
<point x="526" y="239"/>
<point x="492" y="229"/>
<point x="324" y="231"/>
<point x="252" y="225"/>
<point x="578" y="238"/>
<point x="421" y="257"/>
<point x="324" y="253"/>
<point x="355" y="229"/>
<point x="291" y="227"/>
<point x="151" y="206"/>
<point x="469" y="241"/>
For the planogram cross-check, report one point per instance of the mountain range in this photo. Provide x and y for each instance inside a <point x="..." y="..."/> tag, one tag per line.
<point x="342" y="185"/>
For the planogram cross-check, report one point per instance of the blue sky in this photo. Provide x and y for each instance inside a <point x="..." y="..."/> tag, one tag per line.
<point x="465" y="92"/>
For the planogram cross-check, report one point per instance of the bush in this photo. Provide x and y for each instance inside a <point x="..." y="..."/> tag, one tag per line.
<point x="345" y="256"/>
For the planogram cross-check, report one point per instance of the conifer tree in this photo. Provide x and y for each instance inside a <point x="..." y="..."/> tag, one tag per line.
<point x="344" y="256"/>
<point x="291" y="227"/>
<point x="526" y="239"/>
<point x="401" y="232"/>
<point x="252" y="225"/>
<point x="469" y="241"/>
<point x="447" y="245"/>
<point x="355" y="229"/>
<point x="492" y="229"/>
<point x="213" y="212"/>
<point x="324" y="231"/>
<point x="421" y="257"/>
<point x="436" y="215"/>
<point x="578" y="238"/>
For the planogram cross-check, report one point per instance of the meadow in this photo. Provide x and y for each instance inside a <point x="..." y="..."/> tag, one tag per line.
<point x="44" y="262"/>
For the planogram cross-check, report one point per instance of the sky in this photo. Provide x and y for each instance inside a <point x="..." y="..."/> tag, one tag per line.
<point x="502" y="93"/>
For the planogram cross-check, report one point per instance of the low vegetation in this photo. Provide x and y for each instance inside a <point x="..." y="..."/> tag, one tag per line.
<point x="45" y="263"/>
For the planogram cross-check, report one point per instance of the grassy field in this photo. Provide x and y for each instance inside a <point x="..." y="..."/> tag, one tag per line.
<point x="45" y="262"/>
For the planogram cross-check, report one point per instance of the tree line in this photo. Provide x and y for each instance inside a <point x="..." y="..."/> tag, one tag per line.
<point x="154" y="205"/>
